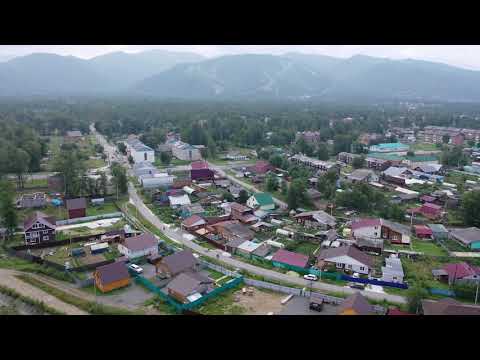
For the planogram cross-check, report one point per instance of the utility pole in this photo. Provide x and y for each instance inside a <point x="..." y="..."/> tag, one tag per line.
<point x="476" y="293"/>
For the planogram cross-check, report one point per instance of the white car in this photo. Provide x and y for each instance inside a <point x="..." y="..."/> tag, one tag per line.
<point x="310" y="277"/>
<point x="136" y="268"/>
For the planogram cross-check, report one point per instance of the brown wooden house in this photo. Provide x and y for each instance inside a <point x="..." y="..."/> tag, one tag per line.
<point x="112" y="276"/>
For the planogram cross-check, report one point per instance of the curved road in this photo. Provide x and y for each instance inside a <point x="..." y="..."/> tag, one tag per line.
<point x="177" y="235"/>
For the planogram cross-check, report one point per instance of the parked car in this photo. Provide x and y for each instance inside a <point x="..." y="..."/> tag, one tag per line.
<point x="316" y="305"/>
<point x="135" y="268"/>
<point x="357" y="286"/>
<point x="310" y="277"/>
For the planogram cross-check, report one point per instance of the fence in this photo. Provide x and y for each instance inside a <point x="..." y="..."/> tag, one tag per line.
<point x="442" y="292"/>
<point x="88" y="218"/>
<point x="374" y="282"/>
<point x="220" y="269"/>
<point x="56" y="243"/>
<point x="179" y="307"/>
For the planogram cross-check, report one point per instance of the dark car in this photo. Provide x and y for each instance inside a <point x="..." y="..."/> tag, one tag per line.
<point x="316" y="305"/>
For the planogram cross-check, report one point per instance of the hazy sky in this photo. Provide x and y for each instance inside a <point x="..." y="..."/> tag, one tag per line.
<point x="467" y="56"/>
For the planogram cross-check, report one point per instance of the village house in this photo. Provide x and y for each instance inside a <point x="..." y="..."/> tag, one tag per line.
<point x="370" y="245"/>
<point x="393" y="270"/>
<point x="39" y="228"/>
<point x="178" y="200"/>
<point x="261" y="167"/>
<point x="73" y="136"/>
<point x="201" y="172"/>
<point x="316" y="219"/>
<point x="347" y="258"/>
<point x="469" y="237"/>
<point x="187" y="287"/>
<point x="439" y="231"/>
<point x="355" y="304"/>
<point x="381" y="228"/>
<point x="77" y="208"/>
<point x="233" y="229"/>
<point x="144" y="168"/>
<point x="262" y="201"/>
<point x="193" y="223"/>
<point x="242" y="213"/>
<point x="461" y="273"/>
<point x="290" y="260"/>
<point x="158" y="180"/>
<point x="362" y="175"/>
<point x="191" y="209"/>
<point x="423" y="232"/>
<point x="139" y="246"/>
<point x="111" y="276"/>
<point x="448" y="306"/>
<point x="428" y="210"/>
<point x="177" y="263"/>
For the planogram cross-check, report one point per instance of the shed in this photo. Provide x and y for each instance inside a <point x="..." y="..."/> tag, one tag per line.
<point x="111" y="276"/>
<point x="77" y="208"/>
<point x="290" y="260"/>
<point x="438" y="231"/>
<point x="99" y="248"/>
<point x="423" y="231"/>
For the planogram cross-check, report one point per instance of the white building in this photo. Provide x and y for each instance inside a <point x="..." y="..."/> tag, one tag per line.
<point x="138" y="246"/>
<point x="184" y="151"/>
<point x="156" y="181"/>
<point x="393" y="270"/>
<point x="139" y="151"/>
<point x="348" y="258"/>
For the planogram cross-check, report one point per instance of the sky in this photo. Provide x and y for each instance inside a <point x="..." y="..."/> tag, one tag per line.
<point x="465" y="56"/>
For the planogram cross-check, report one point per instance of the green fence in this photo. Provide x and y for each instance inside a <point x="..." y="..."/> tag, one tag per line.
<point x="179" y="307"/>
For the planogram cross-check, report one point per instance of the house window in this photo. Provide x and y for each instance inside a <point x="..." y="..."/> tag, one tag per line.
<point x="362" y="268"/>
<point x="349" y="266"/>
<point x="45" y="232"/>
<point x="45" y="238"/>
<point x="145" y="156"/>
<point x="339" y="265"/>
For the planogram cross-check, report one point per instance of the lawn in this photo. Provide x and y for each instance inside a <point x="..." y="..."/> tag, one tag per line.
<point x="35" y="183"/>
<point x="428" y="248"/>
<point x="306" y="248"/>
<point x="59" y="212"/>
<point x="419" y="272"/>
<point x="95" y="163"/>
<point x="106" y="208"/>
<point x="223" y="304"/>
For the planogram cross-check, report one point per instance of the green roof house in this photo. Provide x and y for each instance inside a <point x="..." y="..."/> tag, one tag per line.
<point x="262" y="201"/>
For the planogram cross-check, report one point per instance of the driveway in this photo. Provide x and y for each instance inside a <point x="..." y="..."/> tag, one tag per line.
<point x="298" y="305"/>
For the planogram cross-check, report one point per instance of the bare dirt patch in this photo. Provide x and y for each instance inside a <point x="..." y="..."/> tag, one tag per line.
<point x="260" y="303"/>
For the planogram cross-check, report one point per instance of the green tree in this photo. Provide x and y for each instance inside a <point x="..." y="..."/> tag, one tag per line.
<point x="271" y="182"/>
<point x="470" y="208"/>
<point x="284" y="188"/>
<point x="72" y="167"/>
<point x="445" y="139"/>
<point x="122" y="148"/>
<point x="322" y="152"/>
<point x="410" y="153"/>
<point x="228" y="196"/>
<point x="165" y="157"/>
<point x="120" y="179"/>
<point x="292" y="198"/>
<point x="7" y="208"/>
<point x="103" y="184"/>
<point x="243" y="196"/>
<point x="415" y="295"/>
<point x="276" y="160"/>
<point x="358" y="162"/>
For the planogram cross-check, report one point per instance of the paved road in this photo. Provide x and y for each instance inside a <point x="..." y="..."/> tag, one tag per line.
<point x="177" y="235"/>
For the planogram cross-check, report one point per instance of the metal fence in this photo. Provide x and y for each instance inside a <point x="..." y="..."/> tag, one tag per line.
<point x="443" y="292"/>
<point x="374" y="282"/>
<point x="89" y="218"/>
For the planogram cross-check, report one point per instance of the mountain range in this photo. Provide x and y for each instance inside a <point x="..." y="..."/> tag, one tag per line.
<point x="185" y="75"/>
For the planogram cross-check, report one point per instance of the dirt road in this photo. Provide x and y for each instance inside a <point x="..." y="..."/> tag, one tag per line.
<point x="8" y="279"/>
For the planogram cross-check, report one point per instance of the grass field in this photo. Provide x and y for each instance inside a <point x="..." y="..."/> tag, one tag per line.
<point x="423" y="147"/>
<point x="95" y="163"/>
<point x="428" y="248"/>
<point x="106" y="208"/>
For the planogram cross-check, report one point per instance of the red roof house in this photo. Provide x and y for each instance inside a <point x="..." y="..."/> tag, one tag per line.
<point x="423" y="232"/>
<point x="461" y="271"/>
<point x="261" y="167"/>
<point x="197" y="165"/>
<point x="77" y="208"/>
<point x="284" y="257"/>
<point x="365" y="223"/>
<point x="431" y="211"/>
<point x="427" y="199"/>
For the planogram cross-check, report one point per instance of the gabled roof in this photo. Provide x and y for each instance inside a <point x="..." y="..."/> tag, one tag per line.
<point x="196" y="165"/>
<point x="448" y="306"/>
<point x="364" y="223"/>
<point x="180" y="261"/>
<point x="74" y="204"/>
<point x="263" y="198"/>
<point x="193" y="220"/>
<point x="44" y="219"/>
<point x="290" y="258"/>
<point x="189" y="283"/>
<point x="467" y="235"/>
<point x="350" y="251"/>
<point x="422" y="230"/>
<point x="140" y="242"/>
<point x="460" y="270"/>
<point x="239" y="207"/>
<point x="394" y="171"/>
<point x="320" y="216"/>
<point x="112" y="272"/>
<point x="358" y="303"/>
